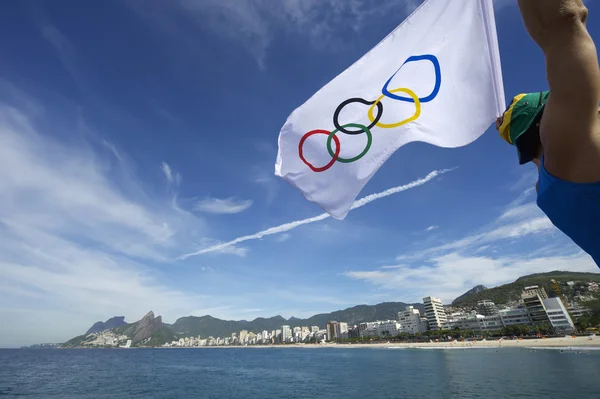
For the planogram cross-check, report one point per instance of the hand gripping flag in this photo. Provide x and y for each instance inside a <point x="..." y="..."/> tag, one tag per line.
<point x="436" y="78"/>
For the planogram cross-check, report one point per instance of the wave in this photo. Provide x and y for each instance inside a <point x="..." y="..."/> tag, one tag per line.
<point x="565" y="348"/>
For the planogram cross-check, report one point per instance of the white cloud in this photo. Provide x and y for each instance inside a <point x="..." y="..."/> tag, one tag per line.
<point x="283" y="237"/>
<point x="167" y="171"/>
<point x="518" y="221"/>
<point x="292" y="225"/>
<point x="487" y="258"/>
<point x="451" y="275"/>
<point x="431" y="228"/>
<point x="73" y="234"/>
<point x="222" y="206"/>
<point x="255" y="24"/>
<point x="172" y="178"/>
<point x="225" y="250"/>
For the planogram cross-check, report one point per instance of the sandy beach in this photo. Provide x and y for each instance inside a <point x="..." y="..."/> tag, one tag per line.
<point x="564" y="342"/>
<point x="549" y="343"/>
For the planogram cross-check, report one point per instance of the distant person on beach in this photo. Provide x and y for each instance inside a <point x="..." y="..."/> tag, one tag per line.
<point x="559" y="130"/>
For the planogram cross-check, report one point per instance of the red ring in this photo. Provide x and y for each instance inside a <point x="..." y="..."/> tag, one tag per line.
<point x="335" y="157"/>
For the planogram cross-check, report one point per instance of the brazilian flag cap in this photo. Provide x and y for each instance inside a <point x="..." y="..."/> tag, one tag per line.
<point x="519" y="118"/>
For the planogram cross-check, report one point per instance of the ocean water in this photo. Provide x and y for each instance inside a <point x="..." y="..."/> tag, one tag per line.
<point x="265" y="373"/>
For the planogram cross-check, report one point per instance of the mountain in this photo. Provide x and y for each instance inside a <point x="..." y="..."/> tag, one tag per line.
<point x="206" y="326"/>
<point x="149" y="331"/>
<point x="475" y="290"/>
<point x="512" y="291"/>
<point x="147" y="328"/>
<point x="107" y="325"/>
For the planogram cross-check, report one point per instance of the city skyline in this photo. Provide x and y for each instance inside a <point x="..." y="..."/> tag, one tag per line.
<point x="534" y="311"/>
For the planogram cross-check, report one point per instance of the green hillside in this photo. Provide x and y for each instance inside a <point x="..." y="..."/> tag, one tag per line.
<point x="206" y="326"/>
<point x="512" y="291"/>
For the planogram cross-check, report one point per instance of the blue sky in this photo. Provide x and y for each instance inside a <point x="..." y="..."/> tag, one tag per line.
<point x="136" y="132"/>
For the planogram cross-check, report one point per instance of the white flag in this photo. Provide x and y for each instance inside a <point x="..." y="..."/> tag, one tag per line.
<point x="436" y="78"/>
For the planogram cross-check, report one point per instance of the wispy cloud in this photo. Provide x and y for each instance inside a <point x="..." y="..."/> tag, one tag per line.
<point x="167" y="171"/>
<point x="222" y="206"/>
<point x="76" y="234"/>
<point x="283" y="237"/>
<point x="431" y="228"/>
<point x="255" y="24"/>
<point x="112" y="149"/>
<point x="516" y="222"/>
<point x="451" y="275"/>
<point x="486" y="257"/>
<point x="172" y="177"/>
<point x="292" y="225"/>
<point x="62" y="46"/>
<point x="227" y="250"/>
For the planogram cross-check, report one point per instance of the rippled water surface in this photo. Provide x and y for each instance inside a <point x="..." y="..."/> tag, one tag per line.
<point x="299" y="373"/>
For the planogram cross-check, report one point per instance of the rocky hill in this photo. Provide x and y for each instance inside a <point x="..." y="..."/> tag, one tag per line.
<point x="512" y="291"/>
<point x="111" y="323"/>
<point x="149" y="331"/>
<point x="475" y="290"/>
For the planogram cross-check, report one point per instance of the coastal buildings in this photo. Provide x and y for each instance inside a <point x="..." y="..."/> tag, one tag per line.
<point x="333" y="330"/>
<point x="435" y="313"/>
<point x="533" y="298"/>
<point x="473" y="321"/>
<point x="487" y="308"/>
<point x="343" y="330"/>
<point x="534" y="309"/>
<point x="534" y="290"/>
<point x="576" y="310"/>
<point x="286" y="334"/>
<point x="411" y="321"/>
<point x="515" y="316"/>
<point x="558" y="315"/>
<point x="387" y="328"/>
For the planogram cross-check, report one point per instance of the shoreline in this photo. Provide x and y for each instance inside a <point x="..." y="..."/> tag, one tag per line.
<point x="578" y="342"/>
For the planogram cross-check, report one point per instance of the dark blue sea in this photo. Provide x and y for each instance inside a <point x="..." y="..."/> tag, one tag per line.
<point x="298" y="373"/>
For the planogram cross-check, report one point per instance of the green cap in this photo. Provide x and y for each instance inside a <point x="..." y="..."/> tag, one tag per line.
<point x="519" y="117"/>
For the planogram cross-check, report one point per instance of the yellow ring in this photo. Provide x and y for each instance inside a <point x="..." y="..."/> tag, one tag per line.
<point x="404" y="122"/>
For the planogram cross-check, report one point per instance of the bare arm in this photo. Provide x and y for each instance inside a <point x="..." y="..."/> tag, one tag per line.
<point x="570" y="130"/>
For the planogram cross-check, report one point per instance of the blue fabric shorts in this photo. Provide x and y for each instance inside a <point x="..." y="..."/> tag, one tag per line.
<point x="574" y="208"/>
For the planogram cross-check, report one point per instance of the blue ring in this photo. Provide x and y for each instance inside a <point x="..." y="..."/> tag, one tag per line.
<point x="436" y="88"/>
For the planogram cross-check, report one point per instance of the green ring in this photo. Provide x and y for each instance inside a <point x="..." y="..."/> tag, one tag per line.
<point x="359" y="156"/>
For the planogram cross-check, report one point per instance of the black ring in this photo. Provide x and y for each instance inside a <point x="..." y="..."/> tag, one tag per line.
<point x="339" y="127"/>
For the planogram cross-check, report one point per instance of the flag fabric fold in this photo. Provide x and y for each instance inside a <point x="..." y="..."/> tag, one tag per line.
<point x="436" y="78"/>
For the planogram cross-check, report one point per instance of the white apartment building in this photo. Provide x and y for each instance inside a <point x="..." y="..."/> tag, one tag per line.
<point x="343" y="330"/>
<point x="534" y="290"/>
<point x="435" y="313"/>
<point x="465" y="321"/>
<point x="515" y="316"/>
<point x="475" y="322"/>
<point x="286" y="333"/>
<point x="333" y="330"/>
<point x="576" y="311"/>
<point x="410" y="320"/>
<point x="314" y="329"/>
<point x="533" y="299"/>
<point x="558" y="315"/>
<point x="387" y="328"/>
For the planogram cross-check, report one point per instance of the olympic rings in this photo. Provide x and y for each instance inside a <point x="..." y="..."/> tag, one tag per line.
<point x="375" y="120"/>
<point x="334" y="156"/>
<point x="438" y="79"/>
<point x="404" y="122"/>
<point x="364" y="129"/>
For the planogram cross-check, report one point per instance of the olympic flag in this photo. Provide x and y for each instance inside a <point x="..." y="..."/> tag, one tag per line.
<point x="436" y="78"/>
